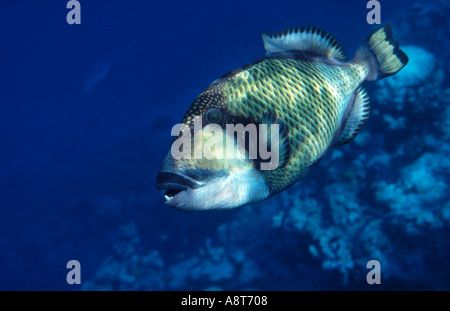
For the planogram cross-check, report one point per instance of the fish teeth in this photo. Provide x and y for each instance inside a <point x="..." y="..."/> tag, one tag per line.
<point x="167" y="197"/>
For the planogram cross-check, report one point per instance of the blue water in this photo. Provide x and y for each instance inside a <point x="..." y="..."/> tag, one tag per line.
<point x="86" y="113"/>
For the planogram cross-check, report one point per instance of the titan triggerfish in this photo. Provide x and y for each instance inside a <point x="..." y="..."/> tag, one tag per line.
<point x="307" y="93"/>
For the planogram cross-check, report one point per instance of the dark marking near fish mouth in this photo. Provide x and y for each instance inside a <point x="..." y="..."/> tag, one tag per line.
<point x="175" y="183"/>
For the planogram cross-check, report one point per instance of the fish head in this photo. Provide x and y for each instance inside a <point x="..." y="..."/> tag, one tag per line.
<point x="208" y="167"/>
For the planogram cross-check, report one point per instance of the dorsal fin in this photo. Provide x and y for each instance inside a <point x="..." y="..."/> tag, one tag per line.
<point x="310" y="39"/>
<point x="357" y="118"/>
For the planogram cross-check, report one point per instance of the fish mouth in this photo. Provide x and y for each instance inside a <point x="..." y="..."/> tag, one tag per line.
<point x="176" y="185"/>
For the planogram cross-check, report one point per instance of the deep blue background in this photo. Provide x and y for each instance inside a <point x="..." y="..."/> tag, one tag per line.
<point x="66" y="144"/>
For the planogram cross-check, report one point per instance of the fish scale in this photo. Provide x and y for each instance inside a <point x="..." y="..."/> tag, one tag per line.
<point x="297" y="92"/>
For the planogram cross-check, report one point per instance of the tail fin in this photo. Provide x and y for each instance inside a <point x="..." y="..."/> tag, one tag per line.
<point x="382" y="54"/>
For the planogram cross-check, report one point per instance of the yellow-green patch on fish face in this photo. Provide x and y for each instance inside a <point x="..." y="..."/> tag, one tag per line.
<point x="305" y="87"/>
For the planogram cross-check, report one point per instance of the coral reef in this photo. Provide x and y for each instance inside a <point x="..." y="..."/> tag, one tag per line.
<point x="385" y="196"/>
<point x="128" y="268"/>
<point x="419" y="81"/>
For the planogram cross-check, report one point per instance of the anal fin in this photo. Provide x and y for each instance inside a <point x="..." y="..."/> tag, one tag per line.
<point x="357" y="117"/>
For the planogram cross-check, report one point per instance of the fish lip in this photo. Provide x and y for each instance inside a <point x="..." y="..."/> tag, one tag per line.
<point x="176" y="199"/>
<point x="176" y="185"/>
<point x="167" y="180"/>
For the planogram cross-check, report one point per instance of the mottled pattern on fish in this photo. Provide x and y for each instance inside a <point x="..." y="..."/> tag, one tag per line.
<point x="308" y="94"/>
<point x="306" y="85"/>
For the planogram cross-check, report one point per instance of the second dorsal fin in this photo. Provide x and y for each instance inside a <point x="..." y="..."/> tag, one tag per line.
<point x="310" y="39"/>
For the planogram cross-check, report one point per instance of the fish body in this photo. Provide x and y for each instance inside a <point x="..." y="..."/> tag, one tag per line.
<point x="306" y="86"/>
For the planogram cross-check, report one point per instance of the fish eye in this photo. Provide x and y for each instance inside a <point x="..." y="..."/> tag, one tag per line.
<point x="213" y="115"/>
